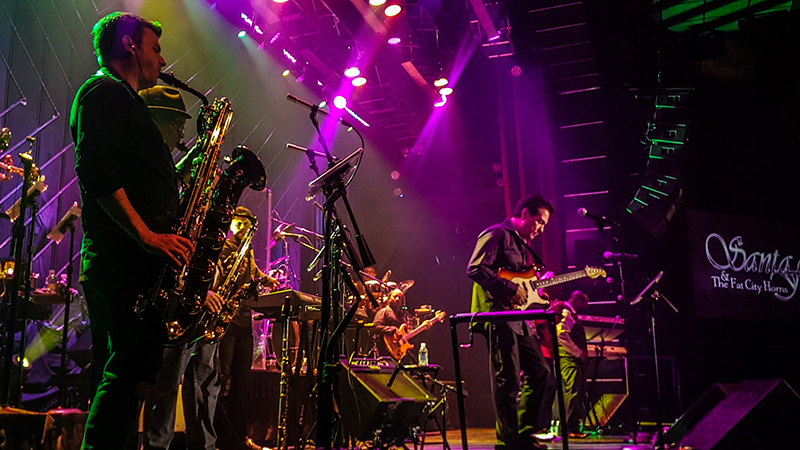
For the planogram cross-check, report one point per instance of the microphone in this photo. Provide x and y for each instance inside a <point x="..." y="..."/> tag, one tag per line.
<point x="299" y="101"/>
<point x="583" y="212"/>
<point x="169" y="78"/>
<point x="291" y="146"/>
<point x="652" y="283"/>
<point x="66" y="222"/>
<point x="619" y="256"/>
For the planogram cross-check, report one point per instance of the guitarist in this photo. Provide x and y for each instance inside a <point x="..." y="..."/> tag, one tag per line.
<point x="512" y="346"/>
<point x="389" y="319"/>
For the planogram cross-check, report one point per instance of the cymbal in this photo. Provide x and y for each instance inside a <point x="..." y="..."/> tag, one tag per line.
<point x="405" y="285"/>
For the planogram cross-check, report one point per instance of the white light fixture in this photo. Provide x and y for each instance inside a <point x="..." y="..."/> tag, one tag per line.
<point x="352" y="72"/>
<point x="359" y="81"/>
<point x="392" y="10"/>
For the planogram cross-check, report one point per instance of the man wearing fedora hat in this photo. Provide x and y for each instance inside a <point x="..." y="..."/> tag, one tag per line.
<point x="194" y="362"/>
<point x="169" y="112"/>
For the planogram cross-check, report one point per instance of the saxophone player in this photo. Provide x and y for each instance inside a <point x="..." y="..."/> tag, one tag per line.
<point x="130" y="199"/>
<point x="236" y="347"/>
<point x="194" y="362"/>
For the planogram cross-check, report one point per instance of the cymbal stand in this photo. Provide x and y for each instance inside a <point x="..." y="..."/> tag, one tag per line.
<point x="11" y="395"/>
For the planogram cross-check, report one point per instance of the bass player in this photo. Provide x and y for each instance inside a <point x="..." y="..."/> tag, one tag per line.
<point x="512" y="346"/>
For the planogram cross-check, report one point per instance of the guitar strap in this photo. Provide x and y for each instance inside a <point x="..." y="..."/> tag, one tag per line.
<point x="537" y="261"/>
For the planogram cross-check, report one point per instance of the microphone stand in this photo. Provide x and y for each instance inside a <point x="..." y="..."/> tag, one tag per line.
<point x="12" y="395"/>
<point x="62" y="389"/>
<point x="653" y="298"/>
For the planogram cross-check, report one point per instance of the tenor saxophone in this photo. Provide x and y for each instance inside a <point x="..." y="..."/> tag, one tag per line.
<point x="214" y="325"/>
<point x="173" y="307"/>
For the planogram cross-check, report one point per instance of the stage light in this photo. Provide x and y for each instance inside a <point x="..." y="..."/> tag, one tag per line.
<point x="280" y="1"/>
<point x="352" y="72"/>
<point x="359" y="81"/>
<point x="286" y="73"/>
<point x="393" y="40"/>
<point x="339" y="102"/>
<point x="257" y="29"/>
<point x="289" y="56"/>
<point x="274" y="37"/>
<point x="242" y="34"/>
<point x="446" y="91"/>
<point x="323" y="104"/>
<point x="395" y="175"/>
<point x="441" y="103"/>
<point x="392" y="10"/>
<point x="441" y="82"/>
<point x="516" y="71"/>
<point x="377" y="2"/>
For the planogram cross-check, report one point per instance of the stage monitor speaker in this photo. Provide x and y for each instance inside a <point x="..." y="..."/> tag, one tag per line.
<point x="603" y="409"/>
<point x="371" y="410"/>
<point x="759" y="414"/>
<point x="697" y="411"/>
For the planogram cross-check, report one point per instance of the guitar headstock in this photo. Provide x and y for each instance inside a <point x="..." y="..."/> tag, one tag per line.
<point x="439" y="317"/>
<point x="595" y="272"/>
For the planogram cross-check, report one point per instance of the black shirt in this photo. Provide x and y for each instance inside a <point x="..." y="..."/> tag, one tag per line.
<point x="498" y="247"/>
<point x="118" y="145"/>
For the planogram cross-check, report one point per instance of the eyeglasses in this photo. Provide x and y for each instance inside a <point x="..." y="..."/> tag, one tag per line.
<point x="178" y="124"/>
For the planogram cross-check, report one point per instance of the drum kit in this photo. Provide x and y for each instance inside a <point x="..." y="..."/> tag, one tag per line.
<point x="381" y="288"/>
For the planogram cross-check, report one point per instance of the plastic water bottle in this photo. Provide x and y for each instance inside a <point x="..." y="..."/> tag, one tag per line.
<point x="51" y="284"/>
<point x="422" y="355"/>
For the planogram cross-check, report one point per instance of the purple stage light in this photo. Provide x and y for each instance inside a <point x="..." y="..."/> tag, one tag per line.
<point x="393" y="40"/>
<point x="274" y="37"/>
<point x="516" y="71"/>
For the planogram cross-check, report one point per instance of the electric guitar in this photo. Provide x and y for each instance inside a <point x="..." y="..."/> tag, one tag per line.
<point x="532" y="284"/>
<point x="398" y="344"/>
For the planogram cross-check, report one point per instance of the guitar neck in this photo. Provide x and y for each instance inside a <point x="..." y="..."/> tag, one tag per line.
<point x="424" y="326"/>
<point x="572" y="276"/>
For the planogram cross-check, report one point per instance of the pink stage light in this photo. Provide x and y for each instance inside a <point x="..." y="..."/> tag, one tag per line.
<point x="393" y="40"/>
<point x="441" y="103"/>
<point x="274" y="37"/>
<point x="516" y="71"/>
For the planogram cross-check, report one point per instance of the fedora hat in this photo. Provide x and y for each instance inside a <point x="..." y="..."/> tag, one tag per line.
<point x="164" y="98"/>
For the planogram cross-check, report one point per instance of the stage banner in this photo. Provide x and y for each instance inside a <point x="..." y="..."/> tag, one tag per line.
<point x="744" y="268"/>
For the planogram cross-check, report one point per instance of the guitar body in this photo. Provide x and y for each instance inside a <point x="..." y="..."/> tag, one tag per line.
<point x="397" y="345"/>
<point x="527" y="280"/>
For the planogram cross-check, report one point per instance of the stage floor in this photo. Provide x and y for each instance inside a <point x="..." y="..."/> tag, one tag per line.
<point x="483" y="439"/>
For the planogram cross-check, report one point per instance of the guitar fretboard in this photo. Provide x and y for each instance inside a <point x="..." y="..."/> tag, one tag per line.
<point x="538" y="284"/>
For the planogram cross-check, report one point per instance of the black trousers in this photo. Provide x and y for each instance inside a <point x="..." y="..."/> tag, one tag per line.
<point x="516" y="359"/>
<point x="129" y="362"/>
<point x="573" y="371"/>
